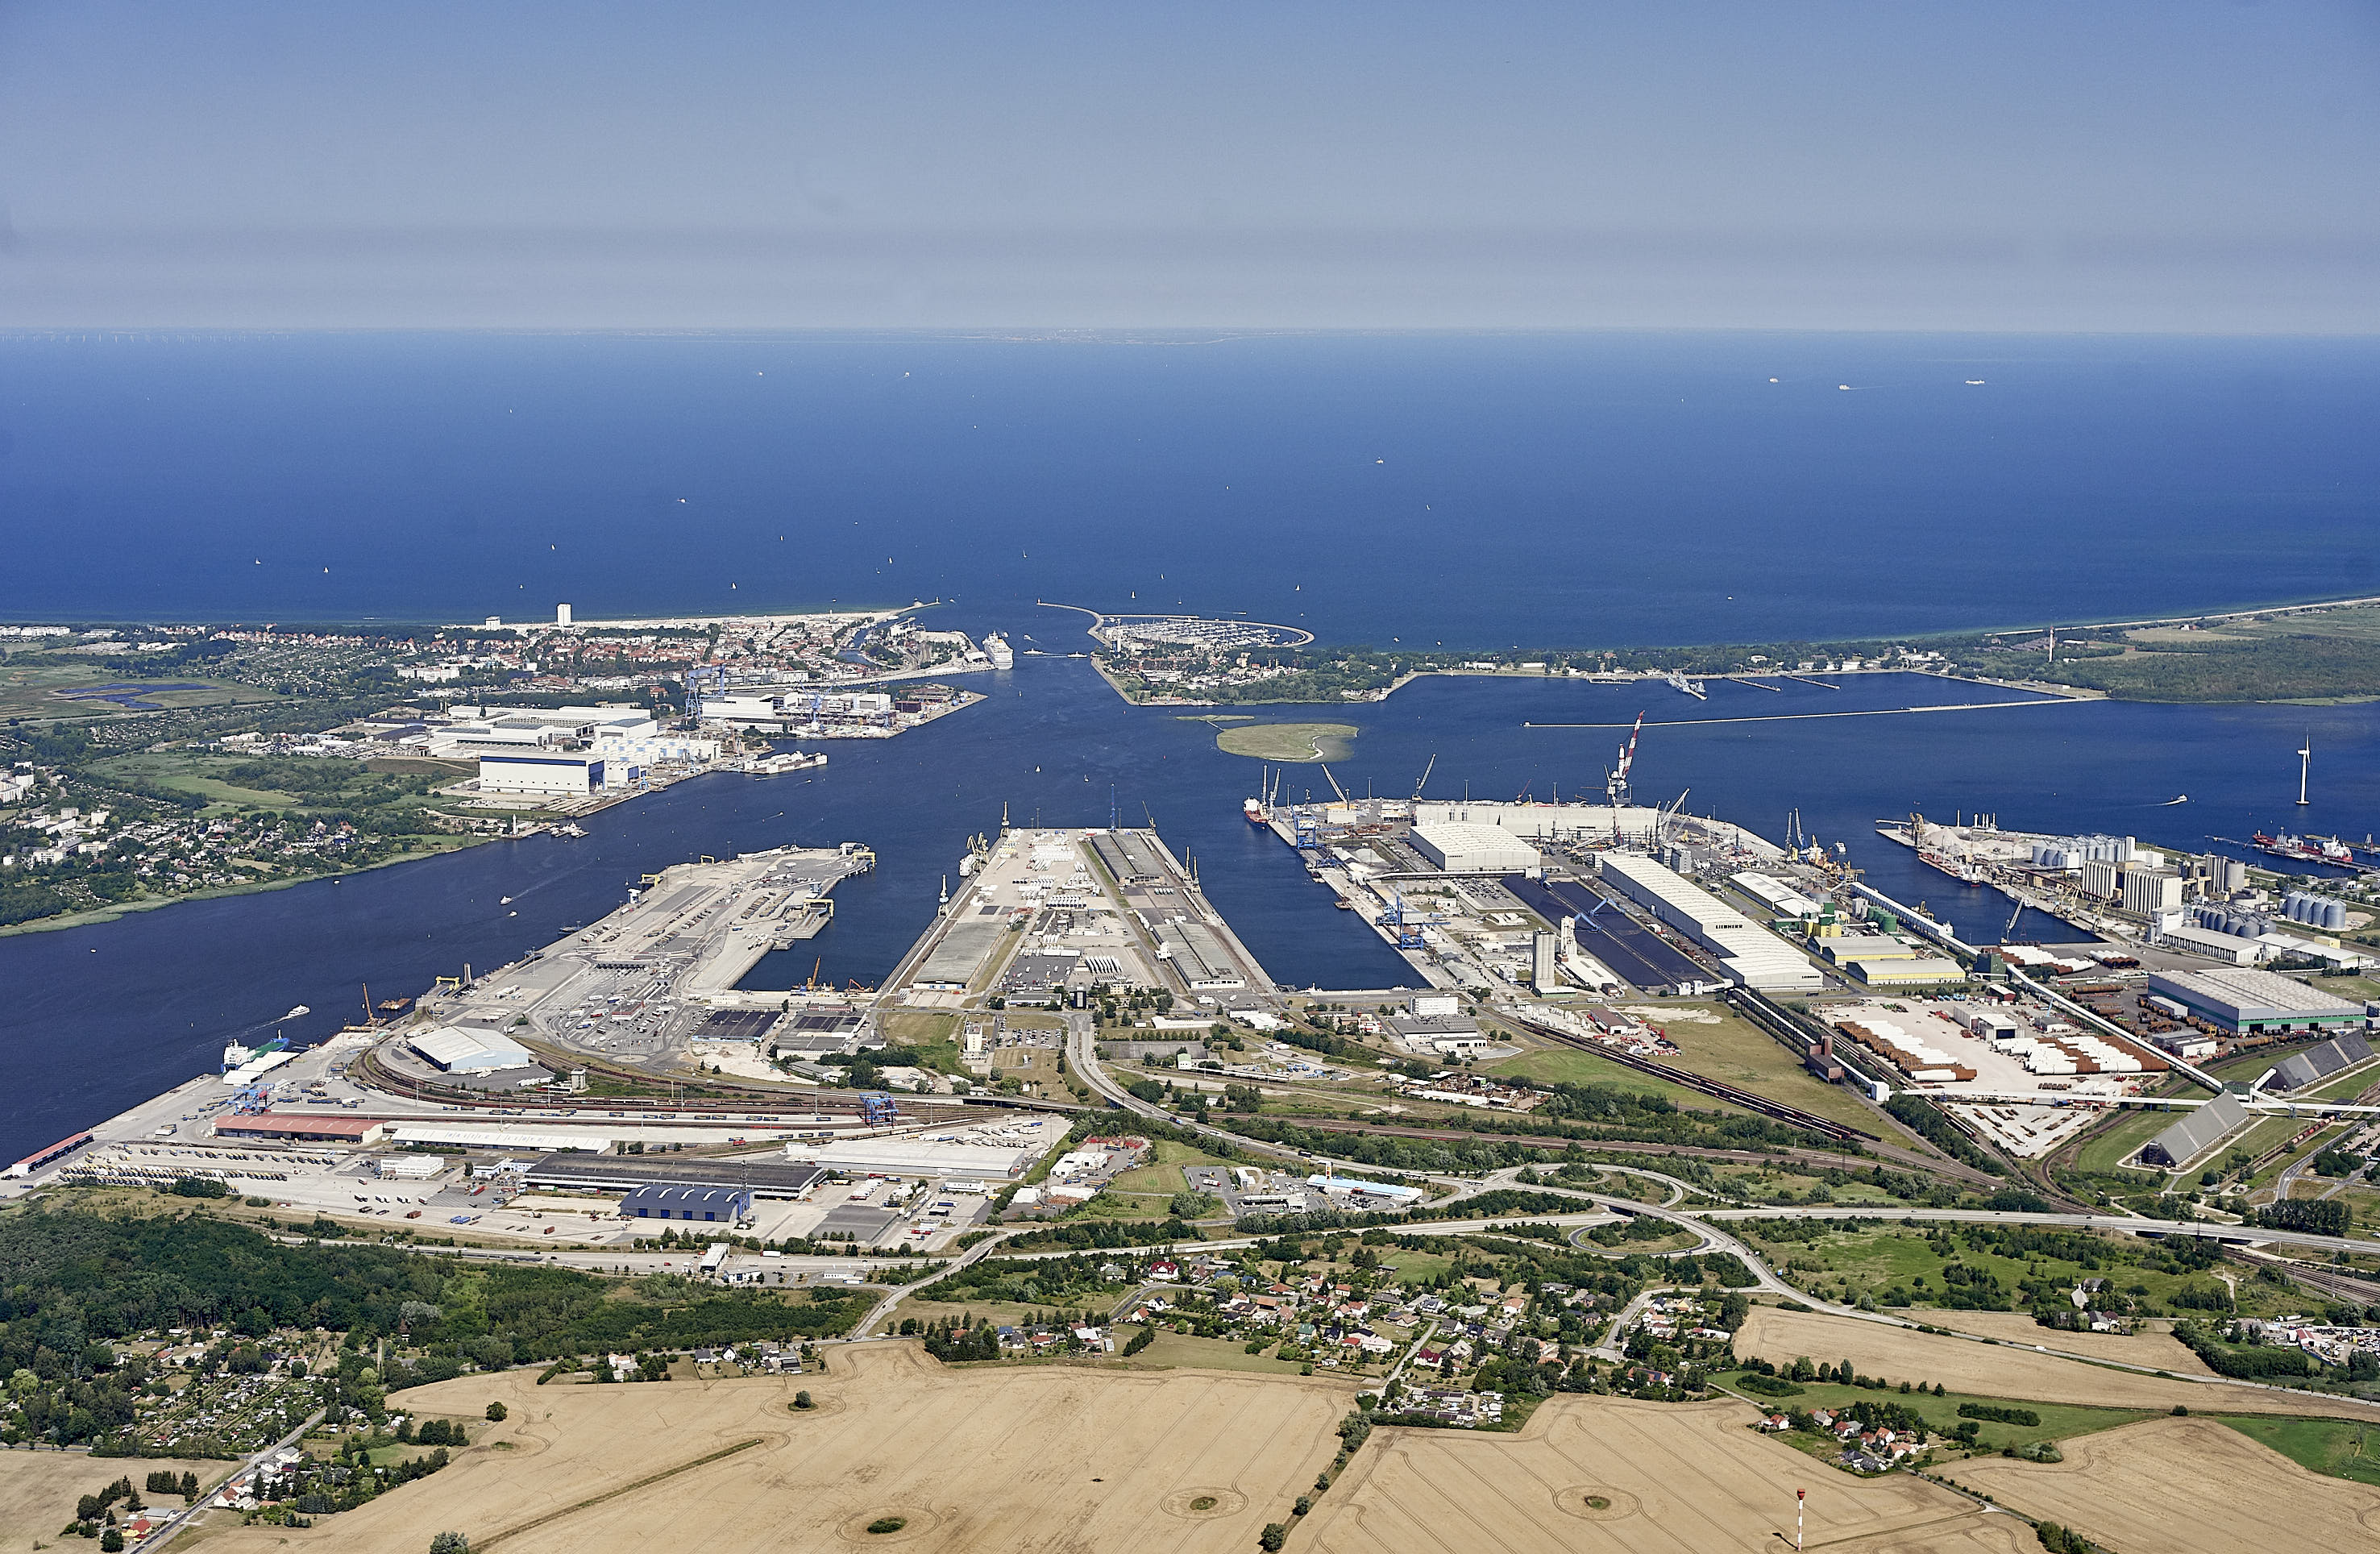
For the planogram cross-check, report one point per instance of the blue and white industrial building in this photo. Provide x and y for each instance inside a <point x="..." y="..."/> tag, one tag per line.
<point x="709" y="1205"/>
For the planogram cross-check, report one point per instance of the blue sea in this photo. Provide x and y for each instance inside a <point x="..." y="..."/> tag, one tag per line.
<point x="1470" y="490"/>
<point x="1477" y="490"/>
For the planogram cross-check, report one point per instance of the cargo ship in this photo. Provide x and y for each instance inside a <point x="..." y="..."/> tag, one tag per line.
<point x="2308" y="849"/>
<point x="237" y="1056"/>
<point x="1255" y="810"/>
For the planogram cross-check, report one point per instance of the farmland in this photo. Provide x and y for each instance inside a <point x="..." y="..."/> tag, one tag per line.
<point x="1649" y="1478"/>
<point x="2161" y="1350"/>
<point x="38" y="1489"/>
<point x="978" y="1459"/>
<point x="2182" y="1484"/>
<point x="1897" y="1354"/>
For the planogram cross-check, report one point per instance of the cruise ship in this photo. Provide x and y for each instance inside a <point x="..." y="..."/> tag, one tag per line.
<point x="996" y="649"/>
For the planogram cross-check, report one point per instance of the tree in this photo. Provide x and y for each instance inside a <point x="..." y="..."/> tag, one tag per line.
<point x="497" y="1412"/>
<point x="802" y="1400"/>
<point x="450" y="1543"/>
<point x="112" y="1541"/>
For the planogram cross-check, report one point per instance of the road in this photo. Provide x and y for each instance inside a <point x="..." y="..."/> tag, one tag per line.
<point x="184" y="1517"/>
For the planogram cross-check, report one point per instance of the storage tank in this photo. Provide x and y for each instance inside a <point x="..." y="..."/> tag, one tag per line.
<point x="2333" y="915"/>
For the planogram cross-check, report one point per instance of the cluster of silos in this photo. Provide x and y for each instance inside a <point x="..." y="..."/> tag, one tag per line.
<point x="2073" y="852"/>
<point x="2228" y="919"/>
<point x="2303" y="906"/>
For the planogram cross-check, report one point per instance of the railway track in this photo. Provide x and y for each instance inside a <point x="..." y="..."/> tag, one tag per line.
<point x="2330" y="1282"/>
<point x="1776" y="1110"/>
<point x="739" y="1100"/>
<point x="1612" y="1145"/>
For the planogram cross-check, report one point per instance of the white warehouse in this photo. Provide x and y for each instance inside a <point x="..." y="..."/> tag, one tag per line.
<point x="1467" y="847"/>
<point x="1750" y="954"/>
<point x="551" y="774"/>
<point x="470" y="1049"/>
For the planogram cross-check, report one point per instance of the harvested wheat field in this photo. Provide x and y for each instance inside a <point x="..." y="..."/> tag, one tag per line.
<point x="1639" y="1477"/>
<point x="2161" y="1350"/>
<point x="1897" y="1354"/>
<point x="980" y="1460"/>
<point x="38" y="1489"/>
<point x="2183" y="1484"/>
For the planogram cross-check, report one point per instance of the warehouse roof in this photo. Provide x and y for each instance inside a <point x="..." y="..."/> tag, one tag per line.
<point x="2196" y="1133"/>
<point x="2246" y="993"/>
<point x="924" y="1157"/>
<point x="469" y="1049"/>
<point x="1921" y="968"/>
<point x="687" y="1203"/>
<point x="300" y="1124"/>
<point x="1467" y="839"/>
<point x="766" y="1176"/>
<point x="2301" y="1069"/>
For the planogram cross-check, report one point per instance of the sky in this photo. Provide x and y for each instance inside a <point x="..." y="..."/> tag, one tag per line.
<point x="2174" y="165"/>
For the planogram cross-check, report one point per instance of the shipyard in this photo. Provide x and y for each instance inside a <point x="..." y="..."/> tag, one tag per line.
<point x="1067" y="968"/>
<point x="1644" y="1071"/>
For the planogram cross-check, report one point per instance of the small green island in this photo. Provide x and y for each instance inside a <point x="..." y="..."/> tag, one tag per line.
<point x="1290" y="742"/>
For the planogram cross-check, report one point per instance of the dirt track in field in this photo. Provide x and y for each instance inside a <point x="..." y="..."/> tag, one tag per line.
<point x="2002" y="1370"/>
<point x="1675" y="1479"/>
<point x="2161" y="1350"/>
<point x="2183" y="1484"/>
<point x="980" y="1460"/>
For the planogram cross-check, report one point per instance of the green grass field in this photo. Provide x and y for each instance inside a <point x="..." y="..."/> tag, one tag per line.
<point x="2058" y="1421"/>
<point x="1734" y="1053"/>
<point x="2106" y="1149"/>
<point x="1561" y="1065"/>
<point x="1417" y="1268"/>
<point x="1208" y="1353"/>
<point x="1881" y="1259"/>
<point x="917" y="1027"/>
<point x="31" y="693"/>
<point x="2337" y="1448"/>
<point x="1288" y="742"/>
<point x="1163" y="1172"/>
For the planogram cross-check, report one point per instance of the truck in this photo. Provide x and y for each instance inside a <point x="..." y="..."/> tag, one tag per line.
<point x="715" y="1257"/>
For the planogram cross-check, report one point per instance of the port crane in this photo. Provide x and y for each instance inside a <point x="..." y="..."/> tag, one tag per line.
<point x="1425" y="776"/>
<point x="1664" y="818"/>
<point x="1401" y="917"/>
<point x="1335" y="787"/>
<point x="1615" y="781"/>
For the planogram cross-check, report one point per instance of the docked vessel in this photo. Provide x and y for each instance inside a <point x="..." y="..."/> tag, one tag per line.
<point x="784" y="761"/>
<point x="1254" y="811"/>
<point x="996" y="649"/>
<point x="235" y="1055"/>
<point x="2309" y="849"/>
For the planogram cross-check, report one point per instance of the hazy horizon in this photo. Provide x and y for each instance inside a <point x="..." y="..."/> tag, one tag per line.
<point x="2191" y="168"/>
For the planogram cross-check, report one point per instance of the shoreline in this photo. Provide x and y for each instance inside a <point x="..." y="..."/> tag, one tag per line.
<point x="116" y="910"/>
